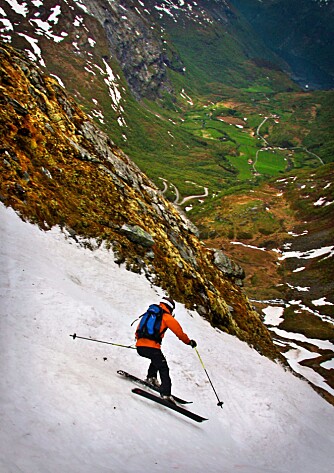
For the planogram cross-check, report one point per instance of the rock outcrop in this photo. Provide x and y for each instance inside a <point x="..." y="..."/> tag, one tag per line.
<point x="137" y="43"/>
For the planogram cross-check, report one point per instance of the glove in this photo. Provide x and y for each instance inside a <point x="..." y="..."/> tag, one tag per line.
<point x="193" y="344"/>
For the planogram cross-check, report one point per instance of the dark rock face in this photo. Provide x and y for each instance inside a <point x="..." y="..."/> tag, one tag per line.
<point x="137" y="235"/>
<point x="137" y="45"/>
<point x="227" y="266"/>
<point x="138" y="36"/>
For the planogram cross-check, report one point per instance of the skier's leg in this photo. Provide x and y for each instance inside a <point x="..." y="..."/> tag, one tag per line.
<point x="148" y="352"/>
<point x="152" y="371"/>
<point x="158" y="363"/>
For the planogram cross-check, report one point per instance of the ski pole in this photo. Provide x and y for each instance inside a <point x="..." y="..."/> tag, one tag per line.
<point x="74" y="336"/>
<point x="220" y="403"/>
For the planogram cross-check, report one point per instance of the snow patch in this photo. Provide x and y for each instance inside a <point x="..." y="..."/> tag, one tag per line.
<point x="322" y="301"/>
<point x="310" y="254"/>
<point x="273" y="315"/>
<point x="19" y="8"/>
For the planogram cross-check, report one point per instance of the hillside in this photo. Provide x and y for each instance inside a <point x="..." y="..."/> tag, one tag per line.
<point x="282" y="235"/>
<point x="58" y="168"/>
<point x="156" y="75"/>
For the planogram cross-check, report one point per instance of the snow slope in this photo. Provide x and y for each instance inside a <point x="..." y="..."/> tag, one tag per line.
<point x="64" y="409"/>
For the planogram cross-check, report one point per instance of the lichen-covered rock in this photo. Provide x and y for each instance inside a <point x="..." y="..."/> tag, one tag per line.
<point x="227" y="266"/>
<point x="137" y="235"/>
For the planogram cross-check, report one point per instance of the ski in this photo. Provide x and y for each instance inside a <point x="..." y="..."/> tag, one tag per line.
<point x="148" y="385"/>
<point x="169" y="404"/>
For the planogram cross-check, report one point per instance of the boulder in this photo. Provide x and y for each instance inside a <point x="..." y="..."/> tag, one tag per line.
<point x="227" y="266"/>
<point x="137" y="235"/>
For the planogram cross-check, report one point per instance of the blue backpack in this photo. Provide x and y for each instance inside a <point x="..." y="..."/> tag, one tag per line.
<point x="150" y="324"/>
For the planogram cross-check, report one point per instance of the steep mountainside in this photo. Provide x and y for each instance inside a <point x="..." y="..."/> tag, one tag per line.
<point x="282" y="234"/>
<point x="58" y="168"/>
<point x="67" y="42"/>
<point x="152" y="49"/>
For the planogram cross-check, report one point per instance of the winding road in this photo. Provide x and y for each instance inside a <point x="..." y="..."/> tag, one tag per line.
<point x="177" y="193"/>
<point x="280" y="148"/>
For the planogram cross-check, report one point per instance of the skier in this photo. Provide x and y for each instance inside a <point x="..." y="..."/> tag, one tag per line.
<point x="151" y="349"/>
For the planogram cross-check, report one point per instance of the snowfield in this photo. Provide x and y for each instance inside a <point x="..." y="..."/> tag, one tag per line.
<point x="63" y="408"/>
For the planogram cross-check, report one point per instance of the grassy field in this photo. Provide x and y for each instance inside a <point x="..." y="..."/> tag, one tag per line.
<point x="212" y="141"/>
<point x="271" y="163"/>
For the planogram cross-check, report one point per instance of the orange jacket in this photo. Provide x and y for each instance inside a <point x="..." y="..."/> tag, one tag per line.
<point x="168" y="321"/>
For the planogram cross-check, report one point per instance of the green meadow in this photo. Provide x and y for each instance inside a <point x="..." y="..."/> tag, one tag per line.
<point x="188" y="142"/>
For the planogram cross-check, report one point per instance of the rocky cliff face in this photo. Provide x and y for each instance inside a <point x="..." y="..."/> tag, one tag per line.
<point x="58" y="168"/>
<point x="138" y="45"/>
<point x="74" y="39"/>
<point x="138" y="36"/>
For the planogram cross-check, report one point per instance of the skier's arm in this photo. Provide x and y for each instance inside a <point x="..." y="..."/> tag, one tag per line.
<point x="176" y="328"/>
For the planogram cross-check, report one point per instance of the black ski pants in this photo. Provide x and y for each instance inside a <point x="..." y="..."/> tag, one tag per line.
<point x="158" y="364"/>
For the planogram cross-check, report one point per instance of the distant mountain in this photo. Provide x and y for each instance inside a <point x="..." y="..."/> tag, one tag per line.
<point x="160" y="46"/>
<point x="301" y="33"/>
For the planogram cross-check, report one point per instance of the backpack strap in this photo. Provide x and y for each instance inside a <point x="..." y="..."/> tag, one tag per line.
<point x="165" y="329"/>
